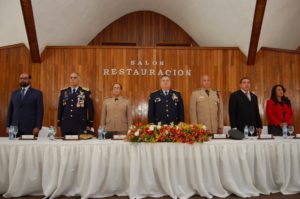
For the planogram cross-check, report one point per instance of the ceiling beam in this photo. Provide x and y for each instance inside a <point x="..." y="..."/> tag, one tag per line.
<point x="256" y="28"/>
<point x="30" y="30"/>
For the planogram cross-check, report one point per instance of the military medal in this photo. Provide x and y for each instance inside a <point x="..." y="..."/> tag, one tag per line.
<point x="80" y="99"/>
<point x="65" y="98"/>
<point x="175" y="99"/>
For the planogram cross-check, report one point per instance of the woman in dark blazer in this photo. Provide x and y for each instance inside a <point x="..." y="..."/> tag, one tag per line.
<point x="279" y="110"/>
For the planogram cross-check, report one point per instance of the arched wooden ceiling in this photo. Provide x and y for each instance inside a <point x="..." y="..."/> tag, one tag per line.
<point x="209" y="22"/>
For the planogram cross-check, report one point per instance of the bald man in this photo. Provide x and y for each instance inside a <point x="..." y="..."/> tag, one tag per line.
<point x="26" y="108"/>
<point x="206" y="107"/>
<point x="75" y="108"/>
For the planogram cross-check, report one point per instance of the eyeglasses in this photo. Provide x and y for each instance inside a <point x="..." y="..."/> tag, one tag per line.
<point x="73" y="77"/>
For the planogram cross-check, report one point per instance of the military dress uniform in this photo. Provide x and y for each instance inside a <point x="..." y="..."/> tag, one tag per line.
<point x="165" y="108"/>
<point x="116" y="115"/>
<point x="75" y="111"/>
<point x="206" y="107"/>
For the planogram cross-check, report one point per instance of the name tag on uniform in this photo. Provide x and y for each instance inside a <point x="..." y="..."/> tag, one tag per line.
<point x="219" y="136"/>
<point x="71" y="137"/>
<point x="27" y="137"/>
<point x="266" y="136"/>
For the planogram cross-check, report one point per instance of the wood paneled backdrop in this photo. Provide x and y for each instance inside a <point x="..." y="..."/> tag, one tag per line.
<point x="143" y="28"/>
<point x="224" y="65"/>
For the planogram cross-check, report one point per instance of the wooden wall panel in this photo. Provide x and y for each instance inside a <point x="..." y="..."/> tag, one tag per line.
<point x="143" y="28"/>
<point x="225" y="66"/>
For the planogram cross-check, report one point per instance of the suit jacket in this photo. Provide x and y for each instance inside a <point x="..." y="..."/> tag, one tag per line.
<point x="165" y="109"/>
<point x="277" y="114"/>
<point x="26" y="113"/>
<point x="207" y="110"/>
<point x="243" y="112"/>
<point x="116" y="114"/>
<point x="75" y="111"/>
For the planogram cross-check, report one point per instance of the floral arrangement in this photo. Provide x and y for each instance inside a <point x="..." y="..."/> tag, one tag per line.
<point x="181" y="133"/>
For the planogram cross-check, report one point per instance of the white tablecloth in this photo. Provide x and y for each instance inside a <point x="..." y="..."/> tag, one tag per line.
<point x="104" y="168"/>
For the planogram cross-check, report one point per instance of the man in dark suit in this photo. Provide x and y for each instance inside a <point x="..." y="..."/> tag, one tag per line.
<point x="243" y="108"/>
<point x="75" y="108"/>
<point x="26" y="108"/>
<point x="165" y="105"/>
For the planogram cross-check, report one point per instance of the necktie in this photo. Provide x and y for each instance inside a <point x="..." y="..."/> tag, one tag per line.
<point x="166" y="93"/>
<point x="73" y="90"/>
<point x="22" y="93"/>
<point x="207" y="92"/>
<point x="116" y="99"/>
<point x="248" y="95"/>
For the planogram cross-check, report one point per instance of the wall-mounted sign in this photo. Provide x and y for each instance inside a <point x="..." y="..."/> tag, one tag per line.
<point x="146" y="68"/>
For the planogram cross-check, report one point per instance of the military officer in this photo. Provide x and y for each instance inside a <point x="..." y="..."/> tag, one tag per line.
<point x="75" y="108"/>
<point x="116" y="113"/>
<point x="165" y="105"/>
<point x="206" y="107"/>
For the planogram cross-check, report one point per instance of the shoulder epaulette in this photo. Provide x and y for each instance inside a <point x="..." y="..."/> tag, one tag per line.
<point x="176" y="91"/>
<point x="86" y="89"/>
<point x="155" y="91"/>
<point x="65" y="88"/>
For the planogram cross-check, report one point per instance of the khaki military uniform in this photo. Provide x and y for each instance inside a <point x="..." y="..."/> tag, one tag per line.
<point x="207" y="109"/>
<point x="116" y="114"/>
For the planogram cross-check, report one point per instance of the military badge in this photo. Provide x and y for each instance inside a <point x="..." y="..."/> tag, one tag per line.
<point x="157" y="100"/>
<point x="65" y="99"/>
<point x="175" y="97"/>
<point x="80" y="100"/>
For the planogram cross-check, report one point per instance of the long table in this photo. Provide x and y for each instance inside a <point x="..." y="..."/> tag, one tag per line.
<point x="93" y="168"/>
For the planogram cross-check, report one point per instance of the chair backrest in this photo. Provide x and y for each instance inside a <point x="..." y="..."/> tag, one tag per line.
<point x="44" y="132"/>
